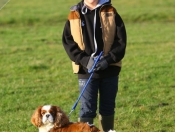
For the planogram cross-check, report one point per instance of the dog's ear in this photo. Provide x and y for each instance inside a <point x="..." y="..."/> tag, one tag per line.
<point x="61" y="118"/>
<point x="36" y="118"/>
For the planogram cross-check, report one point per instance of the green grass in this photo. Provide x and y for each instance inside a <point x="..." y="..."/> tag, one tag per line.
<point x="35" y="70"/>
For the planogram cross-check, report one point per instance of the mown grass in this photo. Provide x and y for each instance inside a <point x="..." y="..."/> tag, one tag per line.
<point x="35" y="70"/>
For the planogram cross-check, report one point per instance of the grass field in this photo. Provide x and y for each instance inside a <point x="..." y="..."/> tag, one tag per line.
<point x="35" y="70"/>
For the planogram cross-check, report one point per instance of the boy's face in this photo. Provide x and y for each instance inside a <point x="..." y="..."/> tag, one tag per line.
<point x="91" y="2"/>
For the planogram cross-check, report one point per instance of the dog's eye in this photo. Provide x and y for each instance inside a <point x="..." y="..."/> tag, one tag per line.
<point x="42" y="113"/>
<point x="52" y="112"/>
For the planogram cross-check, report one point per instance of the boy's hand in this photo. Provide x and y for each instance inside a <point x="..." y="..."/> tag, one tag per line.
<point x="90" y="63"/>
<point x="101" y="65"/>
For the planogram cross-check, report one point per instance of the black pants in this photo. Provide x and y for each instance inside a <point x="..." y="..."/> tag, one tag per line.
<point x="107" y="89"/>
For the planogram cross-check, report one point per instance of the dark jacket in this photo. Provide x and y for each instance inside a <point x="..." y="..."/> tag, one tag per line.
<point x="80" y="56"/>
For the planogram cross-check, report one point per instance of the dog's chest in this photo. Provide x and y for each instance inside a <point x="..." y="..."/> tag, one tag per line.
<point x="46" y="128"/>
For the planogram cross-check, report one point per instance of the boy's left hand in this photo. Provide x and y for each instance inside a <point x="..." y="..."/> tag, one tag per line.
<point x="101" y="65"/>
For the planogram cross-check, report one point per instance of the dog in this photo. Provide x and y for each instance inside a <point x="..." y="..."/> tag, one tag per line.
<point x="49" y="118"/>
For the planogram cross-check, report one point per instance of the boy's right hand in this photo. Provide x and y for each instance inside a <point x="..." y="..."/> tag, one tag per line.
<point x="90" y="63"/>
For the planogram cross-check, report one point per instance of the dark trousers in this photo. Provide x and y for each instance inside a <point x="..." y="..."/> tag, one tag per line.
<point x="107" y="89"/>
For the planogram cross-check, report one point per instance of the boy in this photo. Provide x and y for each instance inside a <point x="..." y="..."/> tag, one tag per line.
<point x="94" y="26"/>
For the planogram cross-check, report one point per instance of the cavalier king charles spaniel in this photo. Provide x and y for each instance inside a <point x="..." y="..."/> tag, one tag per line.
<point x="50" y="118"/>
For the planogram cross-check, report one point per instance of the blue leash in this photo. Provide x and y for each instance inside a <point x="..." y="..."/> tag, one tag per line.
<point x="92" y="72"/>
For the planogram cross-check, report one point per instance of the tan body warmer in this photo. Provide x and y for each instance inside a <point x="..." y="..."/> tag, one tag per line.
<point x="107" y="17"/>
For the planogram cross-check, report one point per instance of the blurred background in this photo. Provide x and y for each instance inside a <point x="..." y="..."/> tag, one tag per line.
<point x="35" y="70"/>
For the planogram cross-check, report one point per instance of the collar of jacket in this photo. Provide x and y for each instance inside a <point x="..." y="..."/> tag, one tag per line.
<point x="77" y="7"/>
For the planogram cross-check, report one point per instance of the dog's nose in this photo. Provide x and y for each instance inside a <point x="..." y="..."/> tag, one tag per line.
<point x="47" y="115"/>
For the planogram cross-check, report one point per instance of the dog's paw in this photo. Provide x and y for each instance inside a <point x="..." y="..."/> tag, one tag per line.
<point x="111" y="131"/>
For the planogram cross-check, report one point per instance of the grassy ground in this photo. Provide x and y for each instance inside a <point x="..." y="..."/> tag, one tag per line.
<point x="35" y="70"/>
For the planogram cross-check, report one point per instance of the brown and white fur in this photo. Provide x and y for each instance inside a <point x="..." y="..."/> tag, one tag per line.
<point x="50" y="118"/>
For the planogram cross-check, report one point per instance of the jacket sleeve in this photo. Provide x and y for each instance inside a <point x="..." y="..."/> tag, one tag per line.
<point x="71" y="47"/>
<point x="117" y="51"/>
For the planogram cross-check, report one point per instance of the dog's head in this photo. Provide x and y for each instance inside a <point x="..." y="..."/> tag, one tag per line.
<point x="49" y="115"/>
